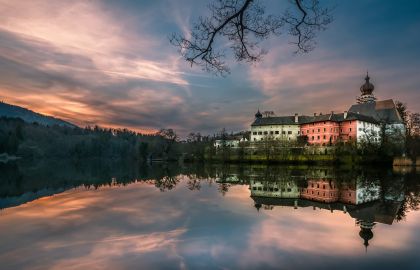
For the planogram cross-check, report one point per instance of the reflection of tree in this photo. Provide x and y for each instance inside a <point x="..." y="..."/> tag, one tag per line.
<point x="223" y="188"/>
<point x="166" y="183"/>
<point x="194" y="184"/>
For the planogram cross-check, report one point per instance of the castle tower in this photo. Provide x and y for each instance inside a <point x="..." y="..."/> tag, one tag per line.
<point x="367" y="92"/>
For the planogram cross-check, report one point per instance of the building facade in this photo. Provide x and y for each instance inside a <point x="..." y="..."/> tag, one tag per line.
<point x="364" y="121"/>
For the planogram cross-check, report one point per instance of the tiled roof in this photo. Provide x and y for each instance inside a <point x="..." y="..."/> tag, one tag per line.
<point x="303" y="119"/>
<point x="384" y="110"/>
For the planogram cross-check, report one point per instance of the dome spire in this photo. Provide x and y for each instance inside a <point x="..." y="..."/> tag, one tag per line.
<point x="367" y="91"/>
<point x="258" y="114"/>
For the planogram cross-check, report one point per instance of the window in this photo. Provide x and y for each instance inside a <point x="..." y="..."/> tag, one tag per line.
<point x="312" y="137"/>
<point x="298" y="132"/>
<point x="283" y="132"/>
<point x="265" y="132"/>
<point x="259" y="133"/>
<point x="277" y="132"/>
<point x="307" y="132"/>
<point x="289" y="190"/>
<point x="254" y="133"/>
<point x="271" y="132"/>
<point x="324" y="123"/>
<point x="319" y="130"/>
<point x="360" y="129"/>
<point x="313" y="131"/>
<point x="255" y="139"/>
<point x="325" y="129"/>
<point x="289" y="132"/>
<point x="318" y="138"/>
<point x="350" y="137"/>
<point x="323" y="186"/>
<point x="317" y="185"/>
<point x="325" y="137"/>
<point x="262" y="139"/>
<point x="350" y="129"/>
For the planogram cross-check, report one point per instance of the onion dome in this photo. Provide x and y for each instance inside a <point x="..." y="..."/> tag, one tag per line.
<point x="367" y="88"/>
<point x="258" y="114"/>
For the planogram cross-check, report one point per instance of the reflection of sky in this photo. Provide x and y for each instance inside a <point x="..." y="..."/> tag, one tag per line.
<point x="110" y="63"/>
<point x="137" y="226"/>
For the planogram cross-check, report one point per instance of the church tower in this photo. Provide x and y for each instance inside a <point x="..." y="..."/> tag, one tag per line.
<point x="367" y="92"/>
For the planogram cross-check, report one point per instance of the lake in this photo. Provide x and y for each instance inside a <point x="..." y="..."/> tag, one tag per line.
<point x="111" y="215"/>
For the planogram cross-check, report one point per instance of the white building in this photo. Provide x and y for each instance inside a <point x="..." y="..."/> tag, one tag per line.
<point x="285" y="128"/>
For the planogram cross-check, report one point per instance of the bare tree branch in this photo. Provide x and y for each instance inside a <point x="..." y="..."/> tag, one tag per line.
<point x="244" y="24"/>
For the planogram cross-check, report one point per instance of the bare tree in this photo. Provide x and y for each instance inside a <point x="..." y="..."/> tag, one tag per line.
<point x="244" y="24"/>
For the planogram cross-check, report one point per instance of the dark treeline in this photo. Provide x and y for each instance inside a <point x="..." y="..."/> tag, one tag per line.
<point x="34" y="141"/>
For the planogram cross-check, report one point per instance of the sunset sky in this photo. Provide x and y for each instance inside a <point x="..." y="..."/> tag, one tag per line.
<point x="110" y="63"/>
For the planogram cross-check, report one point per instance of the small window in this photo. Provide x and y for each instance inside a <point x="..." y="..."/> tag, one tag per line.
<point x="271" y="132"/>
<point x="289" y="132"/>
<point x="265" y="132"/>
<point x="325" y="137"/>
<point x="259" y="133"/>
<point x="283" y="132"/>
<point x="318" y="137"/>
<point x="277" y="132"/>
<point x="312" y="137"/>
<point x="319" y="130"/>
<point x="349" y="129"/>
<point x="254" y="133"/>
<point x="325" y="129"/>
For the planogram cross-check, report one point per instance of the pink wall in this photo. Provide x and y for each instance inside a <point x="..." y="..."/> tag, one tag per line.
<point x="320" y="190"/>
<point x="322" y="132"/>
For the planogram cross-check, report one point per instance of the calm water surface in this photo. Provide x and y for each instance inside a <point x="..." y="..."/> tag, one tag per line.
<point x="60" y="216"/>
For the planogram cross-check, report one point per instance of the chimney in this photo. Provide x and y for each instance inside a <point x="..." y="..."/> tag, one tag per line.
<point x="345" y="114"/>
<point x="314" y="113"/>
<point x="296" y="118"/>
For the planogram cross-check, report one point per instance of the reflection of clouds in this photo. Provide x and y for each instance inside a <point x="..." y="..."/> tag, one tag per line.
<point x="136" y="225"/>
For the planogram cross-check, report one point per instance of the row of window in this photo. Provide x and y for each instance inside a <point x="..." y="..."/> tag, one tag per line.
<point x="325" y="130"/>
<point x="262" y="139"/>
<point x="324" y="137"/>
<point x="272" y="189"/>
<point x="273" y="132"/>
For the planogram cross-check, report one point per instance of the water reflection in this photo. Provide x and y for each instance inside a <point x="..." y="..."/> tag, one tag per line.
<point x="172" y="216"/>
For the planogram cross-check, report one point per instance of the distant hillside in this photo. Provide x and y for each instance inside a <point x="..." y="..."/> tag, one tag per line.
<point x="29" y="116"/>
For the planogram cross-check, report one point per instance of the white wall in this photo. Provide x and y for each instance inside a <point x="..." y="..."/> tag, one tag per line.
<point x="366" y="130"/>
<point x="272" y="130"/>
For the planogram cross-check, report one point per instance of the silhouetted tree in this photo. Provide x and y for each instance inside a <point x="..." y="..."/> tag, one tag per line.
<point x="244" y="24"/>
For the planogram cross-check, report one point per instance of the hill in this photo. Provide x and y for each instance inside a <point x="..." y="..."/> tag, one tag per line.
<point x="13" y="111"/>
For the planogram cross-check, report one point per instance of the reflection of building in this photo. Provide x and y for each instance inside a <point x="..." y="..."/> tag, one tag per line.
<point x="360" y="199"/>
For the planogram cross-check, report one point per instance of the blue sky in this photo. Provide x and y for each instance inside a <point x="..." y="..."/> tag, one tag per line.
<point x="110" y="63"/>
